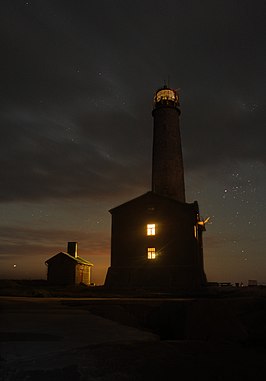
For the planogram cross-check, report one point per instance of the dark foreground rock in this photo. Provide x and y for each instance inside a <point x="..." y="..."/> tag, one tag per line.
<point x="167" y="360"/>
<point x="133" y="339"/>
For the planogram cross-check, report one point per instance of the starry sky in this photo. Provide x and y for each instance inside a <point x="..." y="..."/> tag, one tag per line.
<point x="77" y="81"/>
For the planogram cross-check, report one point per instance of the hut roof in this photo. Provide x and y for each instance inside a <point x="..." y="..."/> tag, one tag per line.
<point x="78" y="259"/>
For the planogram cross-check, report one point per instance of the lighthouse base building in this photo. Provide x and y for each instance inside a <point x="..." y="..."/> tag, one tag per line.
<point x="156" y="244"/>
<point x="156" y="240"/>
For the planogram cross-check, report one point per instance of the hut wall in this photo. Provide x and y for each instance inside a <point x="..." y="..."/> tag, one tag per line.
<point x="82" y="274"/>
<point x="61" y="271"/>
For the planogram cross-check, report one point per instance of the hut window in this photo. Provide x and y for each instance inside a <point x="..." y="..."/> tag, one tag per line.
<point x="151" y="253"/>
<point x="150" y="229"/>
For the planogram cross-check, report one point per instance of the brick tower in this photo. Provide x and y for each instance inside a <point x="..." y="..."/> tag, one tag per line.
<point x="167" y="160"/>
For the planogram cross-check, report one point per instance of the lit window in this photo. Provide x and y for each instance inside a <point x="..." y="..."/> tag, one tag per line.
<point x="166" y="94"/>
<point x="151" y="253"/>
<point x="150" y="229"/>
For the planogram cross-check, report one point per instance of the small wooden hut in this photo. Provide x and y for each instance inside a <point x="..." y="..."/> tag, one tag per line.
<point x="68" y="268"/>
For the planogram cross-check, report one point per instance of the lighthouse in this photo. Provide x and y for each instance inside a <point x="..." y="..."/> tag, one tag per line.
<point x="167" y="158"/>
<point x="156" y="238"/>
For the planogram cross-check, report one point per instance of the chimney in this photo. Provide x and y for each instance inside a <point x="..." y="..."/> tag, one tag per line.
<point x="72" y="249"/>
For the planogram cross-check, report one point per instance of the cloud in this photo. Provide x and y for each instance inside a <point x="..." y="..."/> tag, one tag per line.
<point x="22" y="241"/>
<point x="221" y="134"/>
<point x="95" y="157"/>
<point x="77" y="84"/>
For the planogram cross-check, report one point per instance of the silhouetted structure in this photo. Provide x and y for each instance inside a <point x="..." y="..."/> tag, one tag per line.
<point x="157" y="237"/>
<point x="68" y="268"/>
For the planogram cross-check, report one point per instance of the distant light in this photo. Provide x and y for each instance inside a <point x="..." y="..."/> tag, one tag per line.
<point x="14" y="265"/>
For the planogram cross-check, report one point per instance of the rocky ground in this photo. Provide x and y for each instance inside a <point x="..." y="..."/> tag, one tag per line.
<point x="108" y="337"/>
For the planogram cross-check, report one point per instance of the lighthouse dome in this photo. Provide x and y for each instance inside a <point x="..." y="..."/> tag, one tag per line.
<point x="166" y="96"/>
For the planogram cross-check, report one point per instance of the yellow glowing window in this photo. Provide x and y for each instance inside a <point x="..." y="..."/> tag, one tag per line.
<point x="150" y="229"/>
<point x="151" y="253"/>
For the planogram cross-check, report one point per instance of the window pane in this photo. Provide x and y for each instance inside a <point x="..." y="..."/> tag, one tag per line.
<point x="150" y="229"/>
<point x="151" y="253"/>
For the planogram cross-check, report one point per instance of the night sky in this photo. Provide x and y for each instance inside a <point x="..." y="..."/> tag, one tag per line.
<point x="77" y="81"/>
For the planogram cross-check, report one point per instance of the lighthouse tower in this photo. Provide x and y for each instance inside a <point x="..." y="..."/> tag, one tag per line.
<point x="156" y="240"/>
<point x="167" y="159"/>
